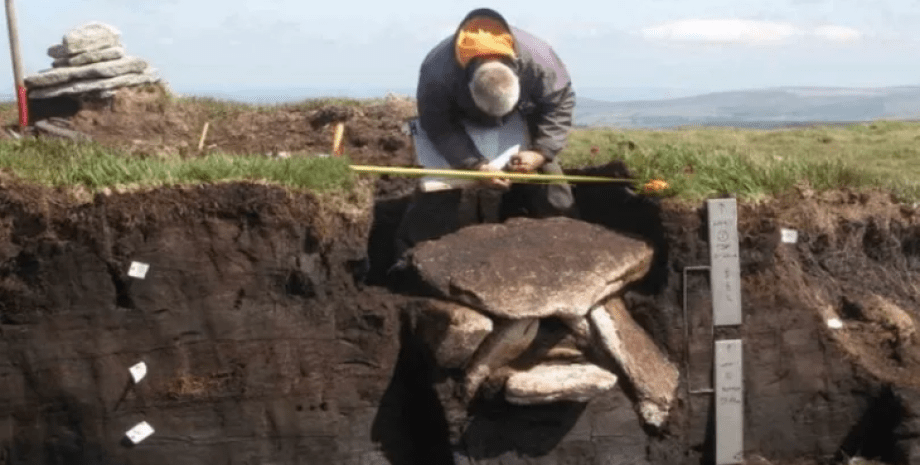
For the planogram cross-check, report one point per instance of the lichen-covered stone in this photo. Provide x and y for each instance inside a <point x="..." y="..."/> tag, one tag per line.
<point x="95" y="56"/>
<point x="94" y="85"/>
<point x="57" y="51"/>
<point x="105" y="69"/>
<point x="544" y="384"/>
<point x="90" y="36"/>
<point x="529" y="268"/>
<point x="652" y="375"/>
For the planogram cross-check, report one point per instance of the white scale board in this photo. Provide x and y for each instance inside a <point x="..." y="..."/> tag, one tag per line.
<point x="725" y="276"/>
<point x="729" y="398"/>
<point x="725" y="271"/>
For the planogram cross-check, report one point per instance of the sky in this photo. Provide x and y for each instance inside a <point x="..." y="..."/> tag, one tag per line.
<point x="613" y="50"/>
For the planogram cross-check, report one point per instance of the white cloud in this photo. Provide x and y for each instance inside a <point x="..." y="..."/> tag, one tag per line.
<point x="742" y="31"/>
<point x="838" y="33"/>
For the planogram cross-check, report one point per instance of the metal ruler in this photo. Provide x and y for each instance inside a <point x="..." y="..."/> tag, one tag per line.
<point x="728" y="383"/>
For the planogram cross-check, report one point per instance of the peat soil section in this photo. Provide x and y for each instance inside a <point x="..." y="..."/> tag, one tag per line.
<point x="814" y="394"/>
<point x="260" y="343"/>
<point x="265" y="342"/>
<point x="264" y="346"/>
<point x="813" y="390"/>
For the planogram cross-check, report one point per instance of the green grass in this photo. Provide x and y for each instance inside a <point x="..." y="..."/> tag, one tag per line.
<point x="697" y="163"/>
<point x="755" y="164"/>
<point x="59" y="163"/>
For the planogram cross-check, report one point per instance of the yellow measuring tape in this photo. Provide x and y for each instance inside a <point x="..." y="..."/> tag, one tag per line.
<point x="484" y="174"/>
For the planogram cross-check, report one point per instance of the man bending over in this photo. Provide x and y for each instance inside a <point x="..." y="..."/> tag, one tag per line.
<point x="490" y="98"/>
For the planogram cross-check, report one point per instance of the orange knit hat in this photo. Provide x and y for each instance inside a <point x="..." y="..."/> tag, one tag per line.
<point x="483" y="37"/>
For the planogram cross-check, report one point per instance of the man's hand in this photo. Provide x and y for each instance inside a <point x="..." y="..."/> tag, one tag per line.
<point x="501" y="183"/>
<point x="527" y="161"/>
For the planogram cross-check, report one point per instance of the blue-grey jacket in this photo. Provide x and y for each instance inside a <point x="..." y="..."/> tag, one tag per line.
<point x="444" y="99"/>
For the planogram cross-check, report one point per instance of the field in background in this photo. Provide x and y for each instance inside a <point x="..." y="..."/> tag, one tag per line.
<point x="697" y="163"/>
<point x="760" y="163"/>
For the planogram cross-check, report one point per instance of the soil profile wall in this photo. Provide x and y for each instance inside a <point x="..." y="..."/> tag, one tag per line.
<point x="264" y="344"/>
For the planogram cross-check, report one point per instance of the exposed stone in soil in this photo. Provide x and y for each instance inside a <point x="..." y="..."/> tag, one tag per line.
<point x="528" y="268"/>
<point x="814" y="394"/>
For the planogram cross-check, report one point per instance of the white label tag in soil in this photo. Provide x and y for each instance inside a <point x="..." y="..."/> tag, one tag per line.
<point x="790" y="236"/>
<point x="138" y="371"/>
<point x="138" y="270"/>
<point x="725" y="270"/>
<point x="140" y="432"/>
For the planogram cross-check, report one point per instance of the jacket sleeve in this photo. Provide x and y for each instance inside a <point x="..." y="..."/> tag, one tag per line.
<point x="555" y="104"/>
<point x="443" y="126"/>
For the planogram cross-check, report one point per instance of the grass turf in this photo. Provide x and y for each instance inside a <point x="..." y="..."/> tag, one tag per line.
<point x="696" y="163"/>
<point x="755" y="164"/>
<point x="59" y="163"/>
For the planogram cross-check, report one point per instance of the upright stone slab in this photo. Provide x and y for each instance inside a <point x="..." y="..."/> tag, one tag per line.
<point x="509" y="340"/>
<point x="452" y="332"/>
<point x="652" y="375"/>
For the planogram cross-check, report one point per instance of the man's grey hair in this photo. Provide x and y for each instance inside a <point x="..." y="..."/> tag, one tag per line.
<point x="495" y="88"/>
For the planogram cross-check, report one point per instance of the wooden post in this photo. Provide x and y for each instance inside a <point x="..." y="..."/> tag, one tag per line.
<point x="204" y="133"/>
<point x="337" y="147"/>
<point x="21" y="95"/>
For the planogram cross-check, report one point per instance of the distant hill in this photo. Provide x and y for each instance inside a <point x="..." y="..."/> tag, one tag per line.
<point x="756" y="108"/>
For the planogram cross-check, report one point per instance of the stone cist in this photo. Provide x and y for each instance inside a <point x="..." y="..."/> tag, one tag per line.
<point x="490" y="98"/>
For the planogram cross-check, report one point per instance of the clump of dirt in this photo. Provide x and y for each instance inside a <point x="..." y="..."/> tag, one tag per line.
<point x="203" y="387"/>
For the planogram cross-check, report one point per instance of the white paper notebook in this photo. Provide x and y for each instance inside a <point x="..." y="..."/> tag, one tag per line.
<point x="497" y="144"/>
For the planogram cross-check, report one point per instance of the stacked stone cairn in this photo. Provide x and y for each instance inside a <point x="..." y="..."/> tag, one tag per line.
<point x="90" y="62"/>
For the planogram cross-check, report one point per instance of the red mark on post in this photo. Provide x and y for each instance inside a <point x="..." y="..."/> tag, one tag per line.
<point x="22" y="94"/>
